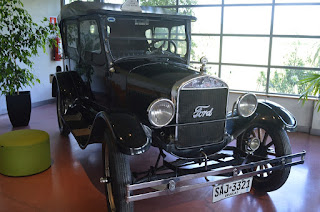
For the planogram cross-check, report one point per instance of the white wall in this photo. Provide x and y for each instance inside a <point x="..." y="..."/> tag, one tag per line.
<point x="43" y="65"/>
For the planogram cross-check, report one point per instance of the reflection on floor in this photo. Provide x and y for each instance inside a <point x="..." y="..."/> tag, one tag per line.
<point x="72" y="182"/>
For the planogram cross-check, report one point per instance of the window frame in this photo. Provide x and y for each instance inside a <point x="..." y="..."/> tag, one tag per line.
<point x="274" y="4"/>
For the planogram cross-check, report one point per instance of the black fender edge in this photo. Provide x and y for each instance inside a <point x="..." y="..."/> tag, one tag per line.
<point x="282" y="114"/>
<point x="267" y="112"/>
<point x="131" y="137"/>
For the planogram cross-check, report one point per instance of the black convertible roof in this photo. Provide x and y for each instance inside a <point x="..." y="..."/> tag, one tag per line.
<point x="78" y="8"/>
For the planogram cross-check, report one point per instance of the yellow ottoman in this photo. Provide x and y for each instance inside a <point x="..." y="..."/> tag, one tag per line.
<point x="24" y="152"/>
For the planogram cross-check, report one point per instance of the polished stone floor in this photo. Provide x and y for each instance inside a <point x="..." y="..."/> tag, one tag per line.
<point x="72" y="182"/>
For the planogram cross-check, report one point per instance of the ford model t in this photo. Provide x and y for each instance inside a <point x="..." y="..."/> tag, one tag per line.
<point x="126" y="83"/>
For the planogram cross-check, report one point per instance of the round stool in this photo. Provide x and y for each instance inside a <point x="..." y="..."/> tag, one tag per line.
<point x="24" y="152"/>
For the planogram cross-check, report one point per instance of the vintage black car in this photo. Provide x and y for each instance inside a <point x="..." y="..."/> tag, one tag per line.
<point x="127" y="83"/>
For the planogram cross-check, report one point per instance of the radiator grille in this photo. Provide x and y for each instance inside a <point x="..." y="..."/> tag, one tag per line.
<point x="201" y="105"/>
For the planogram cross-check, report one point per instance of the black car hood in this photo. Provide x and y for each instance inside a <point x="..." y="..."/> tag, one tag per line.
<point x="147" y="81"/>
<point x="154" y="76"/>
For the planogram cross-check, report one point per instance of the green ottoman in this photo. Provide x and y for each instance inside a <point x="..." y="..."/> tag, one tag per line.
<point x="24" y="152"/>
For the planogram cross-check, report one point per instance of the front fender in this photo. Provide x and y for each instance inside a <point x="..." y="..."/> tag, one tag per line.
<point x="281" y="113"/>
<point x="130" y="135"/>
<point x="267" y="113"/>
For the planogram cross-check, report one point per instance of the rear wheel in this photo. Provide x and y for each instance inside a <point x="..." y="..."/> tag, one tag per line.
<point x="117" y="172"/>
<point x="61" y="109"/>
<point x="274" y="142"/>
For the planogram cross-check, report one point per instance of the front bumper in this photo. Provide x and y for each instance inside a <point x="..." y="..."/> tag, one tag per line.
<point x="178" y="184"/>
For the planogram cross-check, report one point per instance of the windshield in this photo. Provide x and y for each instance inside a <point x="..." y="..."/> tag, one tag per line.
<point x="147" y="37"/>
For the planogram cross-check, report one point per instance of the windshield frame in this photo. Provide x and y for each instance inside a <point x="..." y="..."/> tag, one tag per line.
<point x="185" y="22"/>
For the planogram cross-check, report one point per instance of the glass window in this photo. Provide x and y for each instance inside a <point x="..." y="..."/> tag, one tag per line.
<point x="208" y="20"/>
<point x="89" y="36"/>
<point x="245" y="50"/>
<point x="247" y="1"/>
<point x="297" y="1"/>
<point x="244" y="78"/>
<point x="297" y="20"/>
<point x="72" y="35"/>
<point x="205" y="46"/>
<point x="114" y="1"/>
<point x="200" y="2"/>
<point x="247" y="20"/>
<point x="161" y="33"/>
<point x="296" y="52"/>
<point x="178" y="32"/>
<point x="212" y="70"/>
<point x="285" y="81"/>
<point x="70" y="1"/>
<point x="147" y="37"/>
<point x="157" y="3"/>
<point x="178" y="37"/>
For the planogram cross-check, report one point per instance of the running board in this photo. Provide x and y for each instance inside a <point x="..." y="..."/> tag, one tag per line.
<point x="171" y="186"/>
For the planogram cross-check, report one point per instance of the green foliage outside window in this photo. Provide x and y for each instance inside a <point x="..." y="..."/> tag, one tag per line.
<point x="166" y="2"/>
<point x="186" y="11"/>
<point x="286" y="81"/>
<point x="292" y="81"/>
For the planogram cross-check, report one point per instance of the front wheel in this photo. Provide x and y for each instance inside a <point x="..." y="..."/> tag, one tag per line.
<point x="117" y="172"/>
<point x="274" y="142"/>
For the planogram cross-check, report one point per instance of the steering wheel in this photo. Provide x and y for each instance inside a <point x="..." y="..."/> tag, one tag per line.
<point x="153" y="48"/>
<point x="174" y="45"/>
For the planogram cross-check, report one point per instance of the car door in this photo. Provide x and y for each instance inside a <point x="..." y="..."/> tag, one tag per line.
<point x="92" y="63"/>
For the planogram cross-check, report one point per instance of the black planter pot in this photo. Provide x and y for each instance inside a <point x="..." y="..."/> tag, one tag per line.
<point x="19" y="108"/>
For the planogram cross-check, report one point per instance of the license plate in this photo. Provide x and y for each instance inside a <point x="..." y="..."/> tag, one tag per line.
<point x="231" y="189"/>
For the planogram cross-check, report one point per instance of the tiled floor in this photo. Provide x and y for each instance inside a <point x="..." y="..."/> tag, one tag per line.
<point x="72" y="182"/>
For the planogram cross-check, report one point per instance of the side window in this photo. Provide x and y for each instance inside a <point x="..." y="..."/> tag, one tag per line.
<point x="89" y="37"/>
<point x="178" y="36"/>
<point x="72" y="35"/>
<point x="161" y="33"/>
<point x="72" y="41"/>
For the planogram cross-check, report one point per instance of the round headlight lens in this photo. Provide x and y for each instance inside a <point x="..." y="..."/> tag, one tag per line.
<point x="161" y="112"/>
<point x="247" y="104"/>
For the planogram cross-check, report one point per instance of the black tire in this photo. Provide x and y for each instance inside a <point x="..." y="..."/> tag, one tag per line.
<point x="274" y="143"/>
<point x="64" y="130"/>
<point x="117" y="171"/>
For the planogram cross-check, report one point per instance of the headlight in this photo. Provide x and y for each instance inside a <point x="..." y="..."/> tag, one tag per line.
<point x="161" y="112"/>
<point x="247" y="104"/>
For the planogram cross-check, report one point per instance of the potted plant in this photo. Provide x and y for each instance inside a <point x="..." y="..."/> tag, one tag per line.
<point x="20" y="39"/>
<point x="312" y="80"/>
